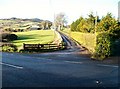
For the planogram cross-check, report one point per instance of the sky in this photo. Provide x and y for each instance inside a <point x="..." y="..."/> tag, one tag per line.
<point x="46" y="9"/>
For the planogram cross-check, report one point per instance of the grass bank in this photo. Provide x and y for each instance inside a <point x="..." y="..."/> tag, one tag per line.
<point x="85" y="39"/>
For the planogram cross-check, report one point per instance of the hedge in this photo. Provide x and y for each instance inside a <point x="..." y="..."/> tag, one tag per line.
<point x="101" y="45"/>
<point x="106" y="45"/>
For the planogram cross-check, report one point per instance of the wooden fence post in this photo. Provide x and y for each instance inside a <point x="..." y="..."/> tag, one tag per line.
<point x="24" y="46"/>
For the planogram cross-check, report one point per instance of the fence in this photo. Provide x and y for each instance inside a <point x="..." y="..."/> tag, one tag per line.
<point x="37" y="47"/>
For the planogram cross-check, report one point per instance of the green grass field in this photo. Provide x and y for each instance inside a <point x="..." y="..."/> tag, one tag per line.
<point x="34" y="37"/>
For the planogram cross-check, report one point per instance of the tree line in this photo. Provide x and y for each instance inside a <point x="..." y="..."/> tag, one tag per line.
<point x="93" y="23"/>
<point x="107" y="31"/>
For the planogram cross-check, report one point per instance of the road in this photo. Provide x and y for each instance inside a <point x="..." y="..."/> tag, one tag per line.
<point x="66" y="68"/>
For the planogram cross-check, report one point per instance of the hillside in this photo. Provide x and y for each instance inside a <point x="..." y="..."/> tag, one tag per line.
<point x="16" y="24"/>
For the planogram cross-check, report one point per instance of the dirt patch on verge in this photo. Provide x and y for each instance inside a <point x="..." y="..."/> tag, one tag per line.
<point x="110" y="60"/>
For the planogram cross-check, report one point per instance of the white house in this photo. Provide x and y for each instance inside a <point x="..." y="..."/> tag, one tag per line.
<point x="35" y="27"/>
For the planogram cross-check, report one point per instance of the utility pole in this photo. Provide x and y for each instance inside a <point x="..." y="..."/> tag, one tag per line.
<point x="95" y="28"/>
<point x="95" y="22"/>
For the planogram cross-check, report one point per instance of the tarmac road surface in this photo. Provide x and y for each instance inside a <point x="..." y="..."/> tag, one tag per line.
<point x="66" y="68"/>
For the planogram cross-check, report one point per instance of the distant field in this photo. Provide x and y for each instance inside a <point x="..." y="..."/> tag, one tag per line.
<point x="32" y="37"/>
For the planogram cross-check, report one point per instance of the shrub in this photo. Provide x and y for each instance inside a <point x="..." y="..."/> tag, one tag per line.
<point x="9" y="48"/>
<point x="103" y="46"/>
<point x="8" y="37"/>
<point x="12" y="37"/>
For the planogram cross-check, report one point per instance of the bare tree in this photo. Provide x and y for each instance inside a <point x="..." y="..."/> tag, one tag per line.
<point x="43" y="23"/>
<point x="60" y="20"/>
<point x="46" y="24"/>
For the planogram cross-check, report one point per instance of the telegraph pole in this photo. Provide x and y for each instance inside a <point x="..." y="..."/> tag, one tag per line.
<point x="95" y="23"/>
<point x="95" y="28"/>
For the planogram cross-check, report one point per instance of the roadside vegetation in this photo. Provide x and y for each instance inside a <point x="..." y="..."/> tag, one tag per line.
<point x="100" y="36"/>
<point x="29" y="37"/>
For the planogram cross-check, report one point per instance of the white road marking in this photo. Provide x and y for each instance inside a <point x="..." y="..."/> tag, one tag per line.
<point x="18" y="67"/>
<point x="97" y="64"/>
<point x="107" y="65"/>
<point x="74" y="62"/>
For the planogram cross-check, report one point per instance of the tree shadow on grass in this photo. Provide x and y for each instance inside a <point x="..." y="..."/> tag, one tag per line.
<point x="30" y="37"/>
<point x="24" y="38"/>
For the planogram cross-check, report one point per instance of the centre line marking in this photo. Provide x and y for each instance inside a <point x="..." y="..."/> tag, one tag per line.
<point x="18" y="67"/>
<point x="107" y="65"/>
<point x="74" y="62"/>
